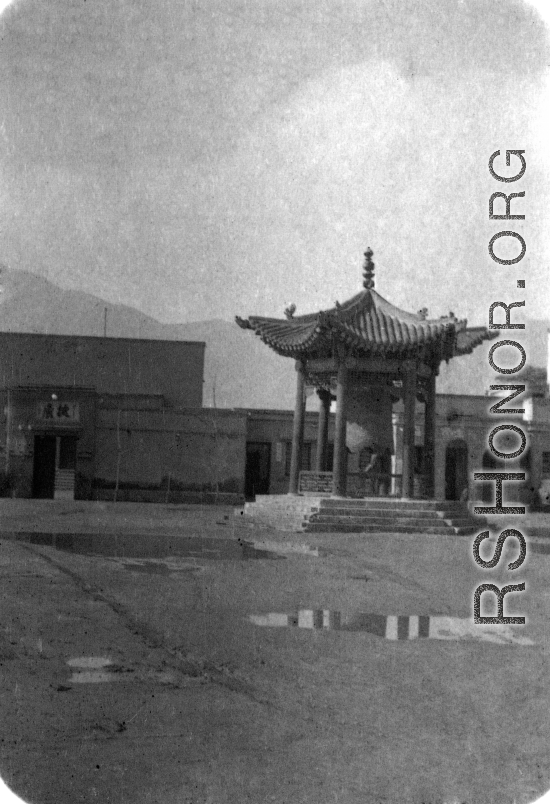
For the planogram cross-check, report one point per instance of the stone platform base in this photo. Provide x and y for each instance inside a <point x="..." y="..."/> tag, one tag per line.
<point x="373" y="515"/>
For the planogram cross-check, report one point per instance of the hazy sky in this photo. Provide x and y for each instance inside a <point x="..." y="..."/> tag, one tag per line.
<point x="200" y="159"/>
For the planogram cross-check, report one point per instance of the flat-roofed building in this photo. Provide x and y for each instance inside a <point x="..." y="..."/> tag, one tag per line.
<point x="97" y="418"/>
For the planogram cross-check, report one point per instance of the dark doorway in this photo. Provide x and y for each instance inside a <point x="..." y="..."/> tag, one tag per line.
<point x="456" y="469"/>
<point x="67" y="452"/>
<point x="329" y="458"/>
<point x="43" y="478"/>
<point x="258" y="464"/>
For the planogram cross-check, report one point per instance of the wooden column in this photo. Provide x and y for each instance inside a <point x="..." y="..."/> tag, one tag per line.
<point x="429" y="436"/>
<point x="297" y="430"/>
<point x="409" y="401"/>
<point x="322" y="433"/>
<point x="339" y="466"/>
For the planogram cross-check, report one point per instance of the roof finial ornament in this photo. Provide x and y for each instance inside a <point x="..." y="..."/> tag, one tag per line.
<point x="368" y="270"/>
<point x="423" y="313"/>
<point x="290" y="310"/>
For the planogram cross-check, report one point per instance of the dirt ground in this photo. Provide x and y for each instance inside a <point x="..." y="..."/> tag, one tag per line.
<point x="200" y="704"/>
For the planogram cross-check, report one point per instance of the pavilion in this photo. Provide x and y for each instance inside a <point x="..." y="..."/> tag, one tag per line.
<point x="366" y="354"/>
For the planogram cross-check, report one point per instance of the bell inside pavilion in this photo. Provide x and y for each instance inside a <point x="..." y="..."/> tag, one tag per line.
<point x="368" y="356"/>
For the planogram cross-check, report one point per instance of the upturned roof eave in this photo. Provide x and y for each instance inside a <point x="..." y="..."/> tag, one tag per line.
<point x="473" y="337"/>
<point x="369" y="324"/>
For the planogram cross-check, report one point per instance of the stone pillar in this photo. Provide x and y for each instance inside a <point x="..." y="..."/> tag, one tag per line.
<point x="297" y="430"/>
<point x="393" y="484"/>
<point x="429" y="436"/>
<point x="322" y="434"/>
<point x="339" y="466"/>
<point x="409" y="401"/>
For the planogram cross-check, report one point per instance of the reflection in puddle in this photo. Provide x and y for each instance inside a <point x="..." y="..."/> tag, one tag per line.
<point x="288" y="547"/>
<point x="149" y="567"/>
<point x="92" y="677"/>
<point x="91" y="670"/>
<point x="123" y="545"/>
<point x="393" y="627"/>
<point x="89" y="662"/>
<point x="100" y="670"/>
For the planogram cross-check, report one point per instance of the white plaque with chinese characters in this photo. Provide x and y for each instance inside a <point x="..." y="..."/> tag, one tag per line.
<point x="58" y="411"/>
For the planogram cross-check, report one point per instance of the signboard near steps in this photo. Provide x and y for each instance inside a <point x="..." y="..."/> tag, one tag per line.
<point x="315" y="483"/>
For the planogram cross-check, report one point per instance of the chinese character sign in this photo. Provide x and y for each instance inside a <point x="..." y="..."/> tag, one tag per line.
<point x="58" y="411"/>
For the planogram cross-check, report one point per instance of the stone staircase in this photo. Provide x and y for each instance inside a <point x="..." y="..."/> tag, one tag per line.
<point x="373" y="515"/>
<point x="64" y="484"/>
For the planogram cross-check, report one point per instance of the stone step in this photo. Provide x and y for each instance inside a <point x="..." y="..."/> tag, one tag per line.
<point x="442" y="530"/>
<point x="418" y="523"/>
<point x="279" y="521"/>
<point x="393" y="526"/>
<point x="287" y="499"/>
<point x="289" y="523"/>
<point x="381" y="513"/>
<point x="64" y="479"/>
<point x="391" y="504"/>
<point x="420" y="513"/>
<point x="289" y="502"/>
<point x="277" y="509"/>
<point x="373" y="515"/>
<point x="282" y="508"/>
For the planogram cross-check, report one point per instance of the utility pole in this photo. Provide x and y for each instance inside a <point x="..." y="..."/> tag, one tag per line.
<point x="118" y="452"/>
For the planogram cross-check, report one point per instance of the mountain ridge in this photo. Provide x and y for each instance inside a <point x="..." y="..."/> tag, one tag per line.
<point x="239" y="370"/>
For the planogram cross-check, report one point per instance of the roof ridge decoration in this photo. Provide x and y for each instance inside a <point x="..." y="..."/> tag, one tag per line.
<point x="368" y="270"/>
<point x="371" y="325"/>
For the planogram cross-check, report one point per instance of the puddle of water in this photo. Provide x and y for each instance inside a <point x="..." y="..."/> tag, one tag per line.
<point x="158" y="566"/>
<point x="89" y="662"/>
<point x="100" y="670"/>
<point x="394" y="627"/>
<point x="91" y="670"/>
<point x="93" y="677"/>
<point x="283" y="547"/>
<point x="151" y="546"/>
<point x="149" y="567"/>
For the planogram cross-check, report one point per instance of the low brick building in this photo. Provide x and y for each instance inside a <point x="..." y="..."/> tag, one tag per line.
<point x="104" y="418"/>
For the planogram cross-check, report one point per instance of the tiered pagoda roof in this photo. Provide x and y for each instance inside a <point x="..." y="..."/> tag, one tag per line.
<point x="370" y="326"/>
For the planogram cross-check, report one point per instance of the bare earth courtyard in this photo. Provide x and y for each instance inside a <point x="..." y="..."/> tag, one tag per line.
<point x="154" y="653"/>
